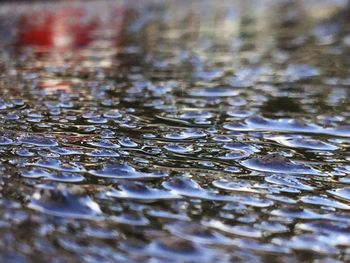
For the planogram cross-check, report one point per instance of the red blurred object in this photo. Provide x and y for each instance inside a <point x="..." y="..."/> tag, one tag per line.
<point x="54" y="85"/>
<point x="62" y="29"/>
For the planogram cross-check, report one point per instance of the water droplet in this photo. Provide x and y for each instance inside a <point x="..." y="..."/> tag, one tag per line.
<point x="301" y="72"/>
<point x="241" y="230"/>
<point x="179" y="149"/>
<point x="138" y="191"/>
<point x="103" y="153"/>
<point x="240" y="186"/>
<point x="127" y="142"/>
<point x="54" y="176"/>
<point x="288" y="181"/>
<point x="343" y="193"/>
<point x="104" y="144"/>
<point x="58" y="165"/>
<point x="37" y="141"/>
<point x="183" y="135"/>
<point x="307" y="242"/>
<point x="189" y="188"/>
<point x="303" y="142"/>
<point x="5" y="141"/>
<point x="178" y="249"/>
<point x="323" y="201"/>
<point x="196" y="233"/>
<point x="213" y="92"/>
<point x="276" y="163"/>
<point x="131" y="218"/>
<point x="123" y="171"/>
<point x="63" y="203"/>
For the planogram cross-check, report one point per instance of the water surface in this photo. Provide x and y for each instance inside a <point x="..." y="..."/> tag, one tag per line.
<point x="174" y="132"/>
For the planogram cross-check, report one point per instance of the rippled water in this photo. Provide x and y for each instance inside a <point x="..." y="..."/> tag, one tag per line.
<point x="174" y="132"/>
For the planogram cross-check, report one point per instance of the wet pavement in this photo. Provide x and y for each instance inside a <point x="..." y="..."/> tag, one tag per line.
<point x="174" y="132"/>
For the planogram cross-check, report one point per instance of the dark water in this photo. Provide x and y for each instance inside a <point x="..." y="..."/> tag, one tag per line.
<point x="174" y="132"/>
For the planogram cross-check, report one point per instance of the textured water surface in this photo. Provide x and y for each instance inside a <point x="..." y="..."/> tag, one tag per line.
<point x="174" y="131"/>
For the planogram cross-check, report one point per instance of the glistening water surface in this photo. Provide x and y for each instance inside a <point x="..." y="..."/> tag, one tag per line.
<point x="174" y="131"/>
